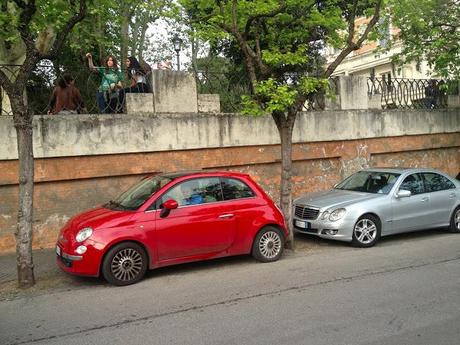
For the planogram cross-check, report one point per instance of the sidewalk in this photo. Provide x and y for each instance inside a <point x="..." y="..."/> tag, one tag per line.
<point x="44" y="265"/>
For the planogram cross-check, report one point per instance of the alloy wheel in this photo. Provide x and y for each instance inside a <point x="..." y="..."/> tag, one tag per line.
<point x="126" y="264"/>
<point x="457" y="220"/>
<point x="270" y="244"/>
<point x="365" y="231"/>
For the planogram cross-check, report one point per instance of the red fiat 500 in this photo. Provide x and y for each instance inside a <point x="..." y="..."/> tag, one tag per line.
<point x="169" y="219"/>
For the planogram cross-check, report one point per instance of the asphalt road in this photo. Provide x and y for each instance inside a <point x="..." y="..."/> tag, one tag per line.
<point x="406" y="290"/>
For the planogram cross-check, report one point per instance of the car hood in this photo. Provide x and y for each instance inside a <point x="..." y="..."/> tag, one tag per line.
<point x="334" y="198"/>
<point x="97" y="218"/>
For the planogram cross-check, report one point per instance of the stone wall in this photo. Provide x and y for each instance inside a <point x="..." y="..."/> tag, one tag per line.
<point x="83" y="161"/>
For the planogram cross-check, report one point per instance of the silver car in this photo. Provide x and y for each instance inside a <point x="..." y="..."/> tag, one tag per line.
<point x="379" y="202"/>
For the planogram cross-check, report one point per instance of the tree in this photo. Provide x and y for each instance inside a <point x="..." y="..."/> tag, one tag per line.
<point x="31" y="31"/>
<point x="281" y="44"/>
<point x="430" y="30"/>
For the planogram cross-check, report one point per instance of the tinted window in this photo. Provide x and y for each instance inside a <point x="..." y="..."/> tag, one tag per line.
<point x="196" y="191"/>
<point x="235" y="189"/>
<point x="413" y="183"/>
<point x="369" y="182"/>
<point x="435" y="182"/>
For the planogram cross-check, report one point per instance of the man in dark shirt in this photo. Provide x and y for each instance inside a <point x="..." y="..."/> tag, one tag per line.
<point x="66" y="99"/>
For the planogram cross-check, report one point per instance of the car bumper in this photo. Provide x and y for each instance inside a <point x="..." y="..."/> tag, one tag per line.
<point x="341" y="230"/>
<point x="86" y="264"/>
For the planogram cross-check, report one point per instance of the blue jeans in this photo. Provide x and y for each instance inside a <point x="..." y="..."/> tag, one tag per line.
<point x="101" y="102"/>
<point x="114" y="106"/>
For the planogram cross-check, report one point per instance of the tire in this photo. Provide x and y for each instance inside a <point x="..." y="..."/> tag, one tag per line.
<point x="124" y="264"/>
<point x="455" y="221"/>
<point x="268" y="244"/>
<point x="366" y="231"/>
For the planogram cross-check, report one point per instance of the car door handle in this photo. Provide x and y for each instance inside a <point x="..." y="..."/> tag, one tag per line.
<point x="451" y="195"/>
<point x="425" y="199"/>
<point x="227" y="215"/>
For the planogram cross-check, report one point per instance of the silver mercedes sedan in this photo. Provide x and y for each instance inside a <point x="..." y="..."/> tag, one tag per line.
<point x="379" y="202"/>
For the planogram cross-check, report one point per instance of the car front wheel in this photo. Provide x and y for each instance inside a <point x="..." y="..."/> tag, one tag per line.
<point x="455" y="221"/>
<point x="366" y="231"/>
<point x="125" y="264"/>
<point x="268" y="244"/>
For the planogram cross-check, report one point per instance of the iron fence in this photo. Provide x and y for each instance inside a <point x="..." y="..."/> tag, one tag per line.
<point x="403" y="93"/>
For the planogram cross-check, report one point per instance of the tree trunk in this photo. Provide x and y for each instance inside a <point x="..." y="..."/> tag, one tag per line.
<point x="141" y="43"/>
<point x="124" y="34"/>
<point x="285" y="124"/>
<point x="24" y="233"/>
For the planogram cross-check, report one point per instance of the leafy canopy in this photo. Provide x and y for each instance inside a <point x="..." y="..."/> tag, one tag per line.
<point x="281" y="43"/>
<point x="430" y="30"/>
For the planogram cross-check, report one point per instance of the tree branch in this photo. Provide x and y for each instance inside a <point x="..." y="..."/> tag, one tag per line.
<point x="28" y="11"/>
<point x="76" y="18"/>
<point x="352" y="45"/>
<point x="5" y="82"/>
<point x="271" y="14"/>
<point x="351" y="23"/>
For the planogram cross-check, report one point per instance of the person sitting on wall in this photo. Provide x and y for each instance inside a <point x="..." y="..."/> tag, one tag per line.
<point x="109" y="98"/>
<point x="66" y="98"/>
<point x="137" y="76"/>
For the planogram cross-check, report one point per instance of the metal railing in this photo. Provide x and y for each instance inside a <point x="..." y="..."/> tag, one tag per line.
<point x="403" y="93"/>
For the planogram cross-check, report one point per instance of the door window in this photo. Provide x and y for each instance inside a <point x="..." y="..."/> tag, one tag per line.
<point x="235" y="189"/>
<point x="413" y="183"/>
<point x="194" y="192"/>
<point x="435" y="182"/>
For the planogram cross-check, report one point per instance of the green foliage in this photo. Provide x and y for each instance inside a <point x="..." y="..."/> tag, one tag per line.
<point x="280" y="42"/>
<point x="430" y="30"/>
<point x="276" y="97"/>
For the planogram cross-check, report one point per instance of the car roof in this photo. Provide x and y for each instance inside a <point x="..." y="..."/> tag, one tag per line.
<point x="201" y="173"/>
<point x="402" y="170"/>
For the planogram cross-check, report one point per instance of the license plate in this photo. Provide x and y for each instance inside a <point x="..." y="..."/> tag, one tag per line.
<point x="58" y="250"/>
<point x="302" y="224"/>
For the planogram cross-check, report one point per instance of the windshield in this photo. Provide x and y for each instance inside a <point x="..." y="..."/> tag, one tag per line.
<point x="369" y="182"/>
<point x="138" y="194"/>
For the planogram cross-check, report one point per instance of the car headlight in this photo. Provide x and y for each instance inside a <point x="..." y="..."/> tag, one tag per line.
<point x="325" y="215"/>
<point x="337" y="214"/>
<point x="84" y="234"/>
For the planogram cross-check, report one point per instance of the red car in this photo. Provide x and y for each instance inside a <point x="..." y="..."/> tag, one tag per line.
<point x="169" y="219"/>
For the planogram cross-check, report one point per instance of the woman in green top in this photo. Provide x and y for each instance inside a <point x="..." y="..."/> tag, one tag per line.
<point x="109" y="98"/>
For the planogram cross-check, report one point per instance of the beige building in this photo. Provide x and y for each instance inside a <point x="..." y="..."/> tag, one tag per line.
<point x="369" y="61"/>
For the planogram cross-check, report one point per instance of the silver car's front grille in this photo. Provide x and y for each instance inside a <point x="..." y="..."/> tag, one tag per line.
<point x="305" y="212"/>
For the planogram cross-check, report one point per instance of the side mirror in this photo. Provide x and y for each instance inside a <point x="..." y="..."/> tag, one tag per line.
<point x="168" y="205"/>
<point x="402" y="193"/>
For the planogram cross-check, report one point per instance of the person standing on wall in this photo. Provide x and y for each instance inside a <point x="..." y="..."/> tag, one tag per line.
<point x="109" y="98"/>
<point x="137" y="76"/>
<point x="66" y="98"/>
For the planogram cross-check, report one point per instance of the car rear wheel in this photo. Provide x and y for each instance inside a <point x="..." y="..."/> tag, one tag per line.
<point x="455" y="221"/>
<point x="125" y="264"/>
<point x="268" y="244"/>
<point x="366" y="231"/>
